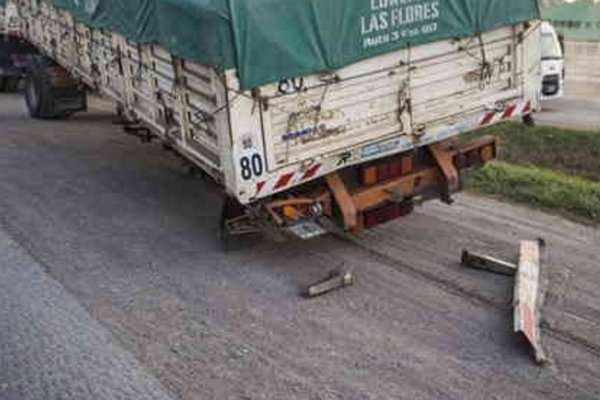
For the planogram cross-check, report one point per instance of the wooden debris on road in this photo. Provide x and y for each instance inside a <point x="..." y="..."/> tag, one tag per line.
<point x="526" y="290"/>
<point x="487" y="263"/>
<point x="335" y="281"/>
<point x="526" y="297"/>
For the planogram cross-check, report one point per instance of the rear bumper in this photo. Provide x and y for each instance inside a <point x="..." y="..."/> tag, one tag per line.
<point x="380" y="198"/>
<point x="366" y="207"/>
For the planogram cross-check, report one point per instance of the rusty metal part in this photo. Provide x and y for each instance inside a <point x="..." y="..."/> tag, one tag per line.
<point x="444" y="176"/>
<point x="343" y="199"/>
<point x="526" y="297"/>
<point x="445" y="154"/>
<point x="323" y="198"/>
<point x="333" y="282"/>
<point x="352" y="205"/>
<point x="487" y="263"/>
<point x="444" y="157"/>
<point x="403" y="187"/>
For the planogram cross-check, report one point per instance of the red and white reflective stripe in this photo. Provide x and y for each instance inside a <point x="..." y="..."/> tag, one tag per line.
<point x="286" y="180"/>
<point x="508" y="113"/>
<point x="512" y="110"/>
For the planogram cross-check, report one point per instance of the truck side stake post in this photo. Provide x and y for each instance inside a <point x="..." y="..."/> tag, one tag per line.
<point x="526" y="300"/>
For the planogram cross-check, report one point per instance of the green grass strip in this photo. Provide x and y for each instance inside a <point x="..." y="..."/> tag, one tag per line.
<point x="566" y="150"/>
<point x="571" y="196"/>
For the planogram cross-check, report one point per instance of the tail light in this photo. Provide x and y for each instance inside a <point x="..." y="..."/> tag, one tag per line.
<point x="475" y="157"/>
<point x="386" y="213"/>
<point x="386" y="170"/>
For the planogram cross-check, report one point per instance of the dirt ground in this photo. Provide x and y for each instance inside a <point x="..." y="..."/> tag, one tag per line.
<point x="124" y="228"/>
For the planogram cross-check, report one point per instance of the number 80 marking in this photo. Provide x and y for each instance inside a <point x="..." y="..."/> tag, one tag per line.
<point x="251" y="166"/>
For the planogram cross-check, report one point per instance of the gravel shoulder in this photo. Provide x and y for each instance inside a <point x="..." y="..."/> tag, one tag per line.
<point x="129" y="234"/>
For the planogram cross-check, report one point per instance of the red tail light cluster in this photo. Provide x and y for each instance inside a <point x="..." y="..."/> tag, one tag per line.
<point x="475" y="157"/>
<point x="387" y="212"/>
<point x="386" y="170"/>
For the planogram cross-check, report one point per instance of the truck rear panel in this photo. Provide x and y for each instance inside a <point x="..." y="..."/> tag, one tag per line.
<point x="312" y="126"/>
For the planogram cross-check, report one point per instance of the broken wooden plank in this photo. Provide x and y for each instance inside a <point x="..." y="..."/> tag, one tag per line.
<point x="334" y="282"/>
<point x="526" y="296"/>
<point x="487" y="263"/>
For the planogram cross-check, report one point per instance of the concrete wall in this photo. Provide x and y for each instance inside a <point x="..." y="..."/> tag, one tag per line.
<point x="583" y="69"/>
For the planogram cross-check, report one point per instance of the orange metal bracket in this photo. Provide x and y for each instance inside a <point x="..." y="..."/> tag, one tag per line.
<point x="445" y="160"/>
<point x="365" y="199"/>
<point x="354" y="204"/>
<point x="344" y="199"/>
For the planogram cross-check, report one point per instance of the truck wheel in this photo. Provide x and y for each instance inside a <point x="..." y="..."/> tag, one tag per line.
<point x="45" y="101"/>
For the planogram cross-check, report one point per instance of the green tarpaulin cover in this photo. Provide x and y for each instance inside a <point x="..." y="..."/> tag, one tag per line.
<point x="268" y="40"/>
<point x="577" y="21"/>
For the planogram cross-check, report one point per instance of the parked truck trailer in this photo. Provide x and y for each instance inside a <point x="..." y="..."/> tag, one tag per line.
<point x="310" y="114"/>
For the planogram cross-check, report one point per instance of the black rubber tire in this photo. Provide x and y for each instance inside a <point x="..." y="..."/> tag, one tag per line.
<point x="39" y="95"/>
<point x="2" y="83"/>
<point x="33" y="96"/>
<point x="39" y="99"/>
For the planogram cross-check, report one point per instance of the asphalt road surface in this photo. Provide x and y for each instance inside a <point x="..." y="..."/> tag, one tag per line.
<point x="125" y="232"/>
<point x="569" y="112"/>
<point x="51" y="348"/>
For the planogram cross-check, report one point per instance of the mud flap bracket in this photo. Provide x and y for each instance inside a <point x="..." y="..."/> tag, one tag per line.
<point x="343" y="199"/>
<point x="445" y="161"/>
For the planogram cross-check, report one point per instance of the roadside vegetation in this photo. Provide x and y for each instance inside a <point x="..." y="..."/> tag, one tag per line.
<point x="553" y="169"/>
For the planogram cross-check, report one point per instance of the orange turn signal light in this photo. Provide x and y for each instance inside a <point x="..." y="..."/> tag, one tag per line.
<point x="369" y="175"/>
<point x="486" y="153"/>
<point x="291" y="212"/>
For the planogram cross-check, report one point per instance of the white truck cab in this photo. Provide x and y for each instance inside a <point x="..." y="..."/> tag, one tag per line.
<point x="553" y="63"/>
